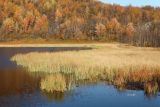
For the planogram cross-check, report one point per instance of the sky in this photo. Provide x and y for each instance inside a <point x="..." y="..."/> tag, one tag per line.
<point x="155" y="3"/>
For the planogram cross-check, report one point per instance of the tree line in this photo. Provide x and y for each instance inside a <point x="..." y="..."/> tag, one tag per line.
<point x="79" y="20"/>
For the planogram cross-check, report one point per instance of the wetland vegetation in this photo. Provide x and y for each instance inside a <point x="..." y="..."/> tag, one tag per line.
<point x="117" y="64"/>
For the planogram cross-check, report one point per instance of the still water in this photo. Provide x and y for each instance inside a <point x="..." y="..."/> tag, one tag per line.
<point x="19" y="88"/>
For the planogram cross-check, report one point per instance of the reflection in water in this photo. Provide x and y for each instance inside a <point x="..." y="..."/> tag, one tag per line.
<point x="16" y="82"/>
<point x="55" y="96"/>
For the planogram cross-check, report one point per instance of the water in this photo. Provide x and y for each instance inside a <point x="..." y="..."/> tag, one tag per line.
<point x="18" y="88"/>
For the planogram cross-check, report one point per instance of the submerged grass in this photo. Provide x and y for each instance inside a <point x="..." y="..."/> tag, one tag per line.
<point x="118" y="64"/>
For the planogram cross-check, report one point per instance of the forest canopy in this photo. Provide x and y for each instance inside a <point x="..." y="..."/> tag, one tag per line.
<point x="79" y="20"/>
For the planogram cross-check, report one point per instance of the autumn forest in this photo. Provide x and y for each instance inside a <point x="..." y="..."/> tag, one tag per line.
<point x="79" y="20"/>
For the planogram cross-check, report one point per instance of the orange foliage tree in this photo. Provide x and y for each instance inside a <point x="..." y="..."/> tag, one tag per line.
<point x="130" y="29"/>
<point x="100" y="30"/>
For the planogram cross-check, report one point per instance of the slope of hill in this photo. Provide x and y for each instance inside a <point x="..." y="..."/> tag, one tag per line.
<point x="79" y="20"/>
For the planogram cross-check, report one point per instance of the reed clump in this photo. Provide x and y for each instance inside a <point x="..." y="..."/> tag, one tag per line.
<point x="57" y="83"/>
<point x="151" y="88"/>
<point x="53" y="83"/>
<point x="148" y="80"/>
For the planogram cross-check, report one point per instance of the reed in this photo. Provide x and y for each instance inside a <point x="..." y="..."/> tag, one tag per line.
<point x="118" y="64"/>
<point x="151" y="88"/>
<point x="53" y="83"/>
<point x="57" y="83"/>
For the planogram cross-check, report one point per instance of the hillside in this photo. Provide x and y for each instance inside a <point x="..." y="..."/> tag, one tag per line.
<point x="79" y="20"/>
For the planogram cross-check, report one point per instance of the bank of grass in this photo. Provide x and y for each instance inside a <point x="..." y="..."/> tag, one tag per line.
<point x="118" y="64"/>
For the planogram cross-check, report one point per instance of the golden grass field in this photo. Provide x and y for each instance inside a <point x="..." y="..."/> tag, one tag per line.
<point x="116" y="63"/>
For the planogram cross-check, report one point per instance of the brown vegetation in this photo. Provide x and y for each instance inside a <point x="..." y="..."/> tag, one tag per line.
<point x="79" y="20"/>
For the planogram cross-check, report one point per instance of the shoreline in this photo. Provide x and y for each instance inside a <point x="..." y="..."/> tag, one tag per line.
<point x="58" y="44"/>
<point x="51" y="45"/>
<point x="93" y="45"/>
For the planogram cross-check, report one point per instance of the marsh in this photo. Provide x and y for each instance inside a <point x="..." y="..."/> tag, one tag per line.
<point x="85" y="75"/>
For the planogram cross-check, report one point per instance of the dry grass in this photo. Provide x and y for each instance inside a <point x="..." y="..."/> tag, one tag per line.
<point x="115" y="63"/>
<point x="151" y="88"/>
<point x="57" y="83"/>
<point x="53" y="83"/>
